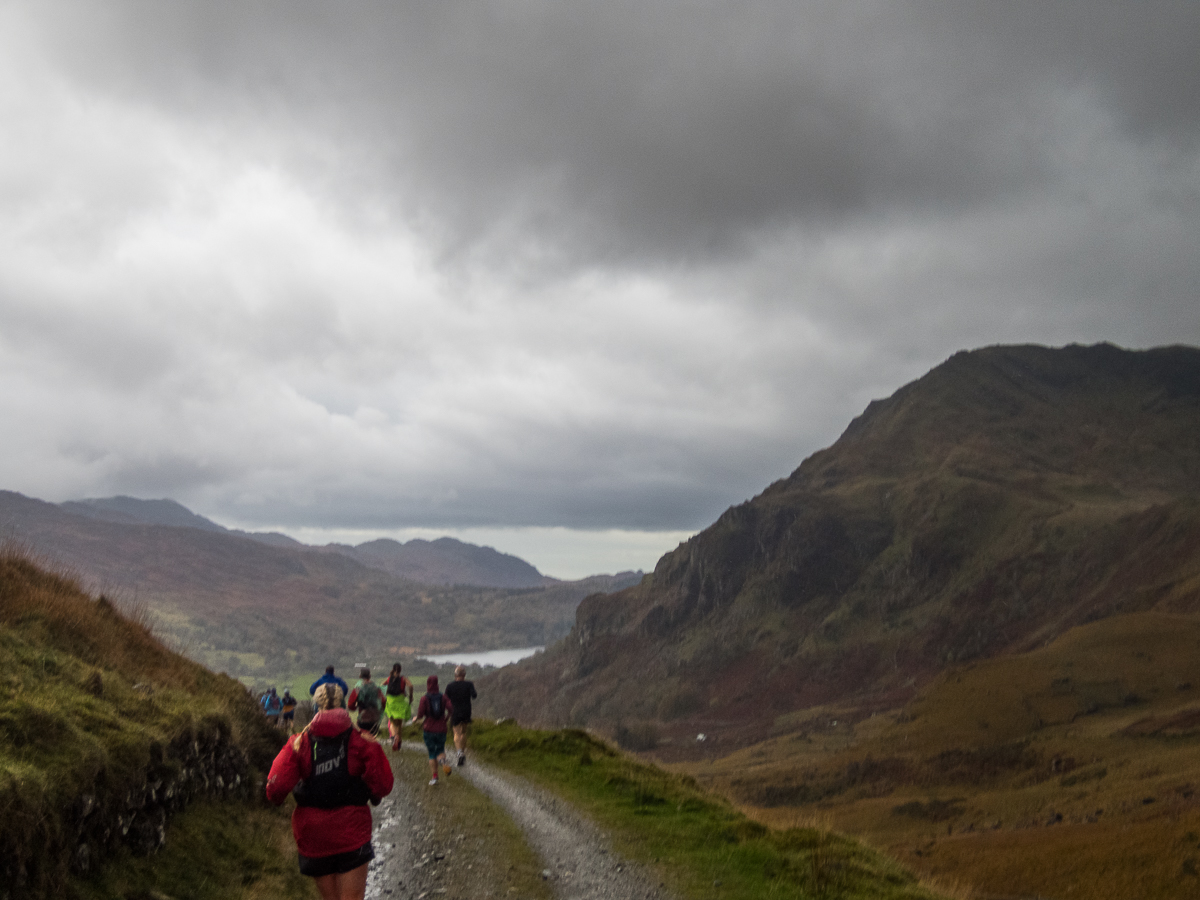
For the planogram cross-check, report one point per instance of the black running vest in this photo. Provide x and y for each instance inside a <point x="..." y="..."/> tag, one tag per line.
<point x="331" y="785"/>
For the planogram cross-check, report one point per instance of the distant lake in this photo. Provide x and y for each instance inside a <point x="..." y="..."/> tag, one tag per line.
<point x="485" y="657"/>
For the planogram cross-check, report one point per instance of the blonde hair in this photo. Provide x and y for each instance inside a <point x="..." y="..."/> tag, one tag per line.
<point x="327" y="696"/>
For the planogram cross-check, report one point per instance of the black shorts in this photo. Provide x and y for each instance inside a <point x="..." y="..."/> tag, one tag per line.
<point x="339" y="863"/>
<point x="455" y="721"/>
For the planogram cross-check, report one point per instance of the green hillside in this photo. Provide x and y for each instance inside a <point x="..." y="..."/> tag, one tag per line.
<point x="112" y="747"/>
<point x="1008" y="495"/>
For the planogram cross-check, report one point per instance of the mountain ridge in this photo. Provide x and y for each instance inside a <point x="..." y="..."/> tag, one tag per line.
<point x="445" y="561"/>
<point x="255" y="609"/>
<point x="1005" y="496"/>
<point x="442" y="561"/>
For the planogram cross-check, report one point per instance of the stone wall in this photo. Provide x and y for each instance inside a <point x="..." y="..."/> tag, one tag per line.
<point x="201" y="762"/>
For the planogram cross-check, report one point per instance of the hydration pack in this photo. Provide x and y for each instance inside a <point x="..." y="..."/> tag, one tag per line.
<point x="331" y="785"/>
<point x="369" y="697"/>
<point x="435" y="706"/>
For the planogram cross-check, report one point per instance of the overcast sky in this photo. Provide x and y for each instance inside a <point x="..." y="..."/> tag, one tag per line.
<point x="565" y="278"/>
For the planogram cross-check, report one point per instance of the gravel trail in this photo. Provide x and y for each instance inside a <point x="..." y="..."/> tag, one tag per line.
<point x="420" y="855"/>
<point x="400" y="825"/>
<point x="577" y="855"/>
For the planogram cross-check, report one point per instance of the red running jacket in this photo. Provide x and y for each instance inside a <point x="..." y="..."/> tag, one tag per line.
<point x="324" y="832"/>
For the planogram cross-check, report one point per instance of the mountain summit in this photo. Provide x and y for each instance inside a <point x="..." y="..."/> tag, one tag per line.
<point x="1009" y="494"/>
<point x="445" y="561"/>
<point x="131" y="510"/>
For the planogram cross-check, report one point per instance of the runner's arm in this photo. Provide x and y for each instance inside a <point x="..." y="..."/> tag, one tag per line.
<point x="285" y="772"/>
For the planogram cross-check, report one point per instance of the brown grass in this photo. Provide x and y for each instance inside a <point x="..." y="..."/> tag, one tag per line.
<point x="1071" y="771"/>
<point x="95" y="631"/>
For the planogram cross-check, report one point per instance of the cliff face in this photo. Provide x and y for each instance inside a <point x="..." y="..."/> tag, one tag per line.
<point x="1009" y="494"/>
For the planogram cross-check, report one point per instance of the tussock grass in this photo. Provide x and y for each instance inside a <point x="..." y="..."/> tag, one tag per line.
<point x="700" y="845"/>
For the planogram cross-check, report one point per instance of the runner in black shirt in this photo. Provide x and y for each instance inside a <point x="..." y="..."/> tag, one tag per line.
<point x="461" y="692"/>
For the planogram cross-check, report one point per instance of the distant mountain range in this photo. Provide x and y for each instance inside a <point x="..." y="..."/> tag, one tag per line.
<point x="446" y="561"/>
<point x="1006" y="496"/>
<point x="443" y="561"/>
<point x="264" y="604"/>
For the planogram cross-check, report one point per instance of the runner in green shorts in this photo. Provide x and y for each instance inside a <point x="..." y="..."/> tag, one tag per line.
<point x="398" y="692"/>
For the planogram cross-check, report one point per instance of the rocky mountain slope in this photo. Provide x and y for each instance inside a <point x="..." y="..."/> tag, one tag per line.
<point x="1009" y="494"/>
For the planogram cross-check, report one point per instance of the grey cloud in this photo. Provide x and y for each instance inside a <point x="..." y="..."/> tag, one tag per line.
<point x="619" y="131"/>
<point x="606" y="265"/>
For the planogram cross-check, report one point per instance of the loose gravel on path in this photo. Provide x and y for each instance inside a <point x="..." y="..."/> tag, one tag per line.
<point x="578" y="859"/>
<point x="399" y="827"/>
<point x="424" y="852"/>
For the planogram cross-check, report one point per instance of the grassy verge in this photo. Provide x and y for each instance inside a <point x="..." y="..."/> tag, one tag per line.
<point x="108" y="739"/>
<point x="214" y="851"/>
<point x="700" y="845"/>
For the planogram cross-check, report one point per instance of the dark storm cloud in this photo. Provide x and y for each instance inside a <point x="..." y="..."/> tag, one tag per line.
<point x="404" y="265"/>
<point x="655" y="130"/>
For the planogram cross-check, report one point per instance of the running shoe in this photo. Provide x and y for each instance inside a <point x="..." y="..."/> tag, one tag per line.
<point x="462" y="758"/>
<point x="433" y="782"/>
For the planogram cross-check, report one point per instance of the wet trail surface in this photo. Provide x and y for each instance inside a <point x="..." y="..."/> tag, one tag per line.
<point x="424" y="851"/>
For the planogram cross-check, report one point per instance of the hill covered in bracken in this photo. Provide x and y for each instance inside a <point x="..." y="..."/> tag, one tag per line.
<point x="1008" y="495"/>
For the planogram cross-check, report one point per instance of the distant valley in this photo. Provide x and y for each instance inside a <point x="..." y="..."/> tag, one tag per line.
<point x="266" y="606"/>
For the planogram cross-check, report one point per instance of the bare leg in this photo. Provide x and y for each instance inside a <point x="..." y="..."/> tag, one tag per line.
<point x="462" y="732"/>
<point x="350" y="885"/>
<point x="327" y="887"/>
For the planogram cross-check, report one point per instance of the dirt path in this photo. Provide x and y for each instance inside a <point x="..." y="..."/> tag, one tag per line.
<point x="483" y="834"/>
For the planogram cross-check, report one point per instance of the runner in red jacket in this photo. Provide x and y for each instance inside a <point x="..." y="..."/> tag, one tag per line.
<point x="332" y="822"/>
